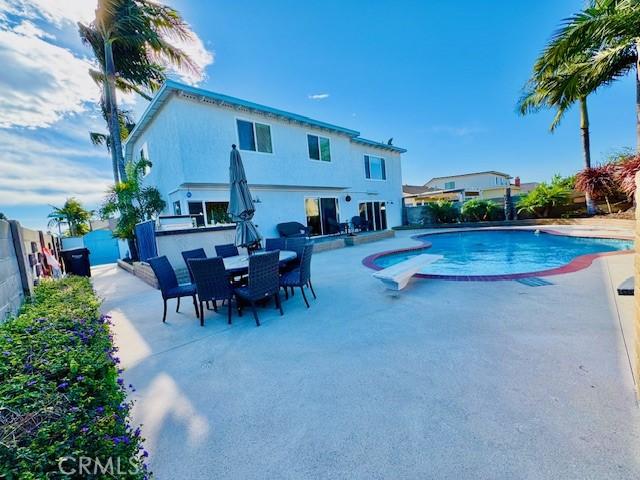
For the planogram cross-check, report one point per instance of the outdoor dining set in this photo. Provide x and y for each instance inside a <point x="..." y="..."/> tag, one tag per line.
<point x="240" y="280"/>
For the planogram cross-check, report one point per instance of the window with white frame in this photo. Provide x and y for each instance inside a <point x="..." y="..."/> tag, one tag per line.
<point x="375" y="168"/>
<point x="449" y="185"/>
<point x="319" y="148"/>
<point x="254" y="136"/>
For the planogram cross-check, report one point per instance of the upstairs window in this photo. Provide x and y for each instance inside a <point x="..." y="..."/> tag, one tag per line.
<point x="319" y="148"/>
<point x="255" y="137"/>
<point x="449" y="185"/>
<point x="374" y="168"/>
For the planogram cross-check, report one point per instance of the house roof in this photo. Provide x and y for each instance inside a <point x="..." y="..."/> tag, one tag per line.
<point x="491" y="172"/>
<point x="415" y="189"/>
<point x="173" y="87"/>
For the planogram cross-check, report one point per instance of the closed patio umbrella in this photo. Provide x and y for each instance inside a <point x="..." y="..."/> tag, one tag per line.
<point x="241" y="208"/>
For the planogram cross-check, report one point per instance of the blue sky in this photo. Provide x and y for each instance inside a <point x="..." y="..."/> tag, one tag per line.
<point x="441" y="78"/>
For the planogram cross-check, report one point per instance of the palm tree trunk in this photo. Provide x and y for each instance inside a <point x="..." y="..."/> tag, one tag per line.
<point x="586" y="148"/>
<point x="112" y="113"/>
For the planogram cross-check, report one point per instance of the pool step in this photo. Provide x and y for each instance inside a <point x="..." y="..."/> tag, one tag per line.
<point x="534" y="282"/>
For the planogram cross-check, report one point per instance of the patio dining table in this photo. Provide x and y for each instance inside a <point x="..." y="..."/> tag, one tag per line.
<point x="240" y="263"/>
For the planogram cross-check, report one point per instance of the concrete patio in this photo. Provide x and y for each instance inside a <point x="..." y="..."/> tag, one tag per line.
<point x="446" y="380"/>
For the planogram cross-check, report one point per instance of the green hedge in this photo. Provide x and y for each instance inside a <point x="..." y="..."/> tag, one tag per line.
<point x="62" y="403"/>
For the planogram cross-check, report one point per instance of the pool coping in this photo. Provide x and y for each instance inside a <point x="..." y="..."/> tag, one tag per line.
<point x="578" y="263"/>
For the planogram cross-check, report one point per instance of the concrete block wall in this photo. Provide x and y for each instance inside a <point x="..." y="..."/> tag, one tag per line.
<point x="636" y="360"/>
<point x="11" y="291"/>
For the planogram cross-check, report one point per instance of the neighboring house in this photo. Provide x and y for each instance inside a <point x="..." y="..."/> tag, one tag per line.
<point x="460" y="188"/>
<point x="298" y="169"/>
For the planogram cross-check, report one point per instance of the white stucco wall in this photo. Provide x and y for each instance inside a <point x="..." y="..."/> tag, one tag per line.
<point x="189" y="142"/>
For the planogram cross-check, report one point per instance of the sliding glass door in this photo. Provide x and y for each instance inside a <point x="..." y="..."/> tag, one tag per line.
<point x="322" y="215"/>
<point x="375" y="213"/>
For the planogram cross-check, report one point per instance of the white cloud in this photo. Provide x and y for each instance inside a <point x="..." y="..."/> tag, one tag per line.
<point x="202" y="57"/>
<point x="36" y="173"/>
<point x="318" y="96"/>
<point x="45" y="81"/>
<point x="57" y="12"/>
<point x="28" y="29"/>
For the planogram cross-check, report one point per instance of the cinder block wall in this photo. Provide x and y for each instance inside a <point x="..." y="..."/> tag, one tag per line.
<point x="637" y="285"/>
<point x="11" y="292"/>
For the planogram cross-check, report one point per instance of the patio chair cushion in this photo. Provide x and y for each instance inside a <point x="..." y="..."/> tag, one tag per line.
<point x="181" y="291"/>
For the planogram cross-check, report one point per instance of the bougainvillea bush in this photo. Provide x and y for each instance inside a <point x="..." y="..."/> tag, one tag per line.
<point x="63" y="409"/>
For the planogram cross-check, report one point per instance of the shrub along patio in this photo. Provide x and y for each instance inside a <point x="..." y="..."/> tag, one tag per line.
<point x="63" y="404"/>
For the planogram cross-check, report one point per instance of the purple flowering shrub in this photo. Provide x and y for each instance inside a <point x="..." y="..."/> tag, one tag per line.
<point x="60" y="393"/>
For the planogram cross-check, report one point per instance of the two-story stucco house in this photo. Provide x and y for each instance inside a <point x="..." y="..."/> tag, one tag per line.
<point x="459" y="188"/>
<point x="298" y="169"/>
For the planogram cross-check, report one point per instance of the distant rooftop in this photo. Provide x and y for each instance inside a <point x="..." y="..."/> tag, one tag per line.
<point x="490" y="172"/>
<point x="415" y="189"/>
<point x="171" y="86"/>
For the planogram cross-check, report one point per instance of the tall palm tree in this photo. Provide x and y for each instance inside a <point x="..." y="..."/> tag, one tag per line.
<point x="608" y="32"/>
<point x="560" y="90"/>
<point x="131" y="41"/>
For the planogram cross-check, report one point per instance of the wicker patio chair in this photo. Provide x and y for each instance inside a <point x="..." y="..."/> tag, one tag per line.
<point x="227" y="250"/>
<point x="271" y="244"/>
<point x="212" y="283"/>
<point x="168" y="283"/>
<point x="263" y="282"/>
<point x="301" y="275"/>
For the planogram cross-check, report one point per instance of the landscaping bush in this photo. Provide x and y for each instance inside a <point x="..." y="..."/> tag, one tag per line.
<point x="477" y="210"/>
<point x="61" y="397"/>
<point x="541" y="200"/>
<point x="441" y="211"/>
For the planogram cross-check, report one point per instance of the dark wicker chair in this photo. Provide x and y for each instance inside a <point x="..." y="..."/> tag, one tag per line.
<point x="300" y="276"/>
<point x="359" y="223"/>
<point x="337" y="227"/>
<point x="292" y="229"/>
<point x="168" y="283"/>
<point x="227" y="250"/>
<point x="189" y="254"/>
<point x="271" y="244"/>
<point x="264" y="282"/>
<point x="212" y="283"/>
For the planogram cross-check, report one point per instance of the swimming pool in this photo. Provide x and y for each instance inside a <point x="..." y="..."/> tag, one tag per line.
<point x="502" y="253"/>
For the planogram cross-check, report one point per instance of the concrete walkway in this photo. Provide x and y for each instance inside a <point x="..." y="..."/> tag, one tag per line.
<point x="446" y="380"/>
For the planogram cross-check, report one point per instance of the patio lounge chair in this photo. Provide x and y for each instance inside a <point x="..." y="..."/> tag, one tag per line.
<point x="264" y="282"/>
<point x="169" y="286"/>
<point x="227" y="250"/>
<point x="271" y="244"/>
<point x="300" y="276"/>
<point x="212" y="283"/>
<point x="292" y="229"/>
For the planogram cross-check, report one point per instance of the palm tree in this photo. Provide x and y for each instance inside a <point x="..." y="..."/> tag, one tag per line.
<point x="131" y="41"/>
<point x="569" y="84"/>
<point x="608" y="33"/>
<point x="73" y="214"/>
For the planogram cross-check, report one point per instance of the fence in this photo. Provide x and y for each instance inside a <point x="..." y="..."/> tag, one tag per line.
<point x="22" y="263"/>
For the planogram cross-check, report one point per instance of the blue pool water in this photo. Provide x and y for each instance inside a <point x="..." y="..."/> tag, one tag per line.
<point x="503" y="252"/>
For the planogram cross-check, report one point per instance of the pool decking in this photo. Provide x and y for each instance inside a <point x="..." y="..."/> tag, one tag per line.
<point x="444" y="380"/>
